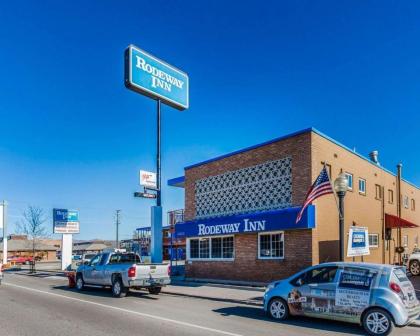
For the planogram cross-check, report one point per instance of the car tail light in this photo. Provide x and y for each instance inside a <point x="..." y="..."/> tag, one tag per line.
<point x="132" y="272"/>
<point x="395" y="287"/>
<point x="169" y="270"/>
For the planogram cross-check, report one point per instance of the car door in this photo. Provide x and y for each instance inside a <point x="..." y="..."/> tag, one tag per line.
<point x="90" y="269"/>
<point x="98" y="273"/>
<point x="314" y="292"/>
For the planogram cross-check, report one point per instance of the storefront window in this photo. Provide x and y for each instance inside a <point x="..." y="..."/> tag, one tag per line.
<point x="228" y="247"/>
<point x="212" y="248"/>
<point x="204" y="248"/>
<point x="194" y="251"/>
<point x="271" y="245"/>
<point x="216" y="248"/>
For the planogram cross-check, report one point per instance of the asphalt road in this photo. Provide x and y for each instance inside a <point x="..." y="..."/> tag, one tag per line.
<point x="45" y="306"/>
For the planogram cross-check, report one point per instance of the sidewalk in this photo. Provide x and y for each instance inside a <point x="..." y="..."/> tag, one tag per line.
<point x="217" y="292"/>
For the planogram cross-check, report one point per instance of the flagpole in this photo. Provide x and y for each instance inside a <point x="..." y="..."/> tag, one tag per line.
<point x="335" y="195"/>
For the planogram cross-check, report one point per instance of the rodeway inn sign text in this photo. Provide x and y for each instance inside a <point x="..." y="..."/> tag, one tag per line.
<point x="245" y="226"/>
<point x="154" y="78"/>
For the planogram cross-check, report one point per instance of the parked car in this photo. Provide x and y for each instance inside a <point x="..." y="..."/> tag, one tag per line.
<point x="20" y="259"/>
<point x="414" y="262"/>
<point x="378" y="297"/>
<point x="122" y="271"/>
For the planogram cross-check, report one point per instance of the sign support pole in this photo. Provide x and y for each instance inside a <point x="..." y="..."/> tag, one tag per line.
<point x="66" y="250"/>
<point x="156" y="215"/>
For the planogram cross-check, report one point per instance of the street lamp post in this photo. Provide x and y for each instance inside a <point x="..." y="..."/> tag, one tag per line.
<point x="340" y="186"/>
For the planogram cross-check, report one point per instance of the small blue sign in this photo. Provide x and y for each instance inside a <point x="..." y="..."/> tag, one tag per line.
<point x="65" y="215"/>
<point x="148" y="75"/>
<point x="248" y="223"/>
<point x="358" y="239"/>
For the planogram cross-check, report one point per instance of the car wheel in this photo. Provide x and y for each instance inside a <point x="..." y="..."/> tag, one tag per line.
<point x="415" y="267"/>
<point x="155" y="290"/>
<point x="377" y="321"/>
<point x="118" y="289"/>
<point x="80" y="284"/>
<point x="278" y="309"/>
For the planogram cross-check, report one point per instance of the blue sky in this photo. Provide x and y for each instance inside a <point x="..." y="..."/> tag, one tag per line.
<point x="71" y="134"/>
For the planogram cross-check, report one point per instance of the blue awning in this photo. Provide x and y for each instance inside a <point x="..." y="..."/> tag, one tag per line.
<point x="284" y="219"/>
<point x="177" y="182"/>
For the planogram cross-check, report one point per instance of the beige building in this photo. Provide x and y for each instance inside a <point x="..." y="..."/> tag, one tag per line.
<point x="266" y="185"/>
<point x="370" y="201"/>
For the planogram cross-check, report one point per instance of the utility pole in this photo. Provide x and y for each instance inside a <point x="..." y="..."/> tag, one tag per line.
<point x="3" y="221"/>
<point x="117" y="224"/>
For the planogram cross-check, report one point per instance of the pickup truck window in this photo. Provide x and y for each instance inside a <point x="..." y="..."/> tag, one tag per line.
<point x="95" y="260"/>
<point x="124" y="258"/>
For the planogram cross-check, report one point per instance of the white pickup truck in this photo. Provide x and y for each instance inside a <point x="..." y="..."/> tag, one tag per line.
<point x="122" y="271"/>
<point x="414" y="262"/>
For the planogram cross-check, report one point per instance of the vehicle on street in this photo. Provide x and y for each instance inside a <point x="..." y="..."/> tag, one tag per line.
<point x="376" y="296"/>
<point x="20" y="259"/>
<point x="414" y="262"/>
<point x="1" y="273"/>
<point x="122" y="271"/>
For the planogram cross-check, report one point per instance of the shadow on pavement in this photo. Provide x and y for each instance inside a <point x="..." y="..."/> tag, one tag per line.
<point x="304" y="322"/>
<point x="104" y="292"/>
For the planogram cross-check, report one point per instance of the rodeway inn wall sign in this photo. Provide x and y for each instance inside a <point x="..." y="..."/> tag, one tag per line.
<point x="155" y="78"/>
<point x="247" y="223"/>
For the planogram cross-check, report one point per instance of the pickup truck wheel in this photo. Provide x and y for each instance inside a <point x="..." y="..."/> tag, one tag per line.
<point x="415" y="267"/>
<point x="155" y="290"/>
<point x="118" y="289"/>
<point x="80" y="284"/>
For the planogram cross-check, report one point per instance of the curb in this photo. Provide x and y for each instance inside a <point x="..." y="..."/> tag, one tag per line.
<point x="186" y="283"/>
<point x="415" y="324"/>
<point x="217" y="299"/>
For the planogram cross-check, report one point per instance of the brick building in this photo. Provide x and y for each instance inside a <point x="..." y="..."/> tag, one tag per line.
<point x="240" y="209"/>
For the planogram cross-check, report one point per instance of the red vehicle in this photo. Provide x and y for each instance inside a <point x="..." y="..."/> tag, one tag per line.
<point x="20" y="259"/>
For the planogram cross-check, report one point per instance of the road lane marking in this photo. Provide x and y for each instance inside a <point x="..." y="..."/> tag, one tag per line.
<point x="155" y="317"/>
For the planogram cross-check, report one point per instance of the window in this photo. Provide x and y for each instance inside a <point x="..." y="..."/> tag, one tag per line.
<point x="373" y="240"/>
<point x="271" y="245"/>
<point x="378" y="192"/>
<point x="194" y="251"/>
<point x="349" y="180"/>
<point x="316" y="275"/>
<point x="95" y="260"/>
<point x="405" y="202"/>
<point x="413" y="204"/>
<point x="362" y="186"/>
<point x="390" y="196"/>
<point x="211" y="248"/>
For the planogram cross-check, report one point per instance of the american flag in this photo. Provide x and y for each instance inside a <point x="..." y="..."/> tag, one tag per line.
<point x="321" y="186"/>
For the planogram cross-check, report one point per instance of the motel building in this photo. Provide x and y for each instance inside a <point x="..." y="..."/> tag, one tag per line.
<point x="241" y="208"/>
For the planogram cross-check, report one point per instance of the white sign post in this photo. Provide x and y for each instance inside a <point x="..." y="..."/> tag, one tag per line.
<point x="358" y="243"/>
<point x="3" y="225"/>
<point x="66" y="250"/>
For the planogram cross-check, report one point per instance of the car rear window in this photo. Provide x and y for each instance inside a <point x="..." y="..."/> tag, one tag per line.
<point x="400" y="274"/>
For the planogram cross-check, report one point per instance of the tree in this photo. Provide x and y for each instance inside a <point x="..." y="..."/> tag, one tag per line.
<point x="32" y="226"/>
